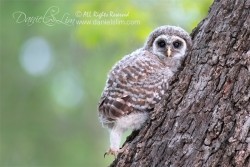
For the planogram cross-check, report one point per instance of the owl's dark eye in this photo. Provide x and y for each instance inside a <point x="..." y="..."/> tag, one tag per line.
<point x="161" y="43"/>
<point x="177" y="44"/>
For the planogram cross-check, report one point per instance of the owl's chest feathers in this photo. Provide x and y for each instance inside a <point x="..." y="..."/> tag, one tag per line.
<point x="173" y="64"/>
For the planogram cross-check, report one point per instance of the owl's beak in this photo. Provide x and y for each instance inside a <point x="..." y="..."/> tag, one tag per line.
<point x="169" y="52"/>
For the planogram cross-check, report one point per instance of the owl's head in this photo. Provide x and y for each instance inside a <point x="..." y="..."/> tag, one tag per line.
<point x="168" y="42"/>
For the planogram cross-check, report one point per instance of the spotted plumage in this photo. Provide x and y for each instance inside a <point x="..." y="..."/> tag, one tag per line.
<point x="138" y="82"/>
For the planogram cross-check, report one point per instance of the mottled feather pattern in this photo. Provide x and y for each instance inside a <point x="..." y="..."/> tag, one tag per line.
<point x="135" y="84"/>
<point x="139" y="81"/>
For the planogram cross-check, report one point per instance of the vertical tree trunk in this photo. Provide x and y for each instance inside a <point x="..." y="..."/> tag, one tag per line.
<point x="205" y="117"/>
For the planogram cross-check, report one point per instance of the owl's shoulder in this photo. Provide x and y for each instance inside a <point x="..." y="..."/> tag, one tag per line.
<point x="132" y="60"/>
<point x="132" y="57"/>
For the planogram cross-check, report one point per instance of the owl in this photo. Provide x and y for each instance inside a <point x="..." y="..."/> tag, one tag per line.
<point x="139" y="80"/>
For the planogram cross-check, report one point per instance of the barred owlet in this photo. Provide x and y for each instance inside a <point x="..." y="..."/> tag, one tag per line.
<point x="138" y="82"/>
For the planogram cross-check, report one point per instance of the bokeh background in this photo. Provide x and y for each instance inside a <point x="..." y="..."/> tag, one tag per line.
<point x="55" y="56"/>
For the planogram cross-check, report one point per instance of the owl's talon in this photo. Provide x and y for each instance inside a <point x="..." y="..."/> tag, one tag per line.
<point x="113" y="152"/>
<point x="106" y="153"/>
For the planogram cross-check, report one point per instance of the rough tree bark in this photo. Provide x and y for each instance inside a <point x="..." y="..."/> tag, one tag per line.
<point x="204" y="119"/>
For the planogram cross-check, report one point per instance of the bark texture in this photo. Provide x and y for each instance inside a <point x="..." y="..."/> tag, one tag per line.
<point x="205" y="117"/>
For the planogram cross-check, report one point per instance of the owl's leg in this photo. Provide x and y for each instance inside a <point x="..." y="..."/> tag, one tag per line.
<point x="115" y="139"/>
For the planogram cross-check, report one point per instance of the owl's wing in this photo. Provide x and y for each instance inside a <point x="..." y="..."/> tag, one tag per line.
<point x="135" y="84"/>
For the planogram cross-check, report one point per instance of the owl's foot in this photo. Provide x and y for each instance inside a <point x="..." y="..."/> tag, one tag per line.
<point x="113" y="152"/>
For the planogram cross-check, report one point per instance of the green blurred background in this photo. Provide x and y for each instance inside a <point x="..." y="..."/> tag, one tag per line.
<point x="55" y="56"/>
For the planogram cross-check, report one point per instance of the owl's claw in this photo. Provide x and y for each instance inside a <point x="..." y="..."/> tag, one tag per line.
<point x="113" y="152"/>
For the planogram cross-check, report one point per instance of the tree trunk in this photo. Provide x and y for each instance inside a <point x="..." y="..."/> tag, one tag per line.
<point x="204" y="119"/>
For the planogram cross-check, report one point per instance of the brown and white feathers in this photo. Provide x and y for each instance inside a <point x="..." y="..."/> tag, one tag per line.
<point x="138" y="82"/>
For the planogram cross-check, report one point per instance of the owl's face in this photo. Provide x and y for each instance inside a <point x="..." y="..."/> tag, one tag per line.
<point x="168" y="47"/>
